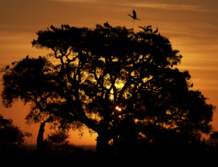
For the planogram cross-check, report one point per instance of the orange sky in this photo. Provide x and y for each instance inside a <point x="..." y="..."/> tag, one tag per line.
<point x="191" y="26"/>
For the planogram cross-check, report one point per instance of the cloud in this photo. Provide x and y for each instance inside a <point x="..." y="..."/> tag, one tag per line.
<point x="76" y="1"/>
<point x="164" y="6"/>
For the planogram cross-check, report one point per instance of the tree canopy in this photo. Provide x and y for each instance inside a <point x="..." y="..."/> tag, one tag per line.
<point x="109" y="78"/>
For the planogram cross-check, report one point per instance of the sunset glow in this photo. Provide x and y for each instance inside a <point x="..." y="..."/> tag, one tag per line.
<point x="118" y="108"/>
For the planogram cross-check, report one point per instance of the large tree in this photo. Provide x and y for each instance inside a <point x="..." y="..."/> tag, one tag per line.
<point x="109" y="78"/>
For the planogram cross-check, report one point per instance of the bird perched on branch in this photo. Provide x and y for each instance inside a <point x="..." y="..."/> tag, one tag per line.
<point x="66" y="26"/>
<point x="107" y="25"/>
<point x="155" y="31"/>
<point x="133" y="16"/>
<point x="53" y="28"/>
<point x="146" y="29"/>
<point x="7" y="67"/>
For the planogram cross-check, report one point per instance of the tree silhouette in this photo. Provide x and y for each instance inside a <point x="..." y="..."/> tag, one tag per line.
<point x="10" y="134"/>
<point x="109" y="78"/>
<point x="213" y="139"/>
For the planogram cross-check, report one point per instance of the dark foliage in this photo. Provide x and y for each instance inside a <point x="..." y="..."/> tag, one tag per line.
<point x="10" y="135"/>
<point x="121" y="84"/>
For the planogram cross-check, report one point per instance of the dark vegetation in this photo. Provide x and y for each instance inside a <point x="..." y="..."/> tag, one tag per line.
<point x="121" y="84"/>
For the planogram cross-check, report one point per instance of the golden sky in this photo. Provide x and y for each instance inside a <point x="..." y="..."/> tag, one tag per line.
<point x="191" y="26"/>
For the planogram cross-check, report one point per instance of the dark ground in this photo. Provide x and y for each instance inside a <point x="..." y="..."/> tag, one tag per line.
<point x="69" y="157"/>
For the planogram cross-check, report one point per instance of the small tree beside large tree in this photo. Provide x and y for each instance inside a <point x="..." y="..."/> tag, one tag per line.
<point x="109" y="78"/>
<point x="10" y="135"/>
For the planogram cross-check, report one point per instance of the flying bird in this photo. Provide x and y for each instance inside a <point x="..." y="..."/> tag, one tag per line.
<point x="133" y="16"/>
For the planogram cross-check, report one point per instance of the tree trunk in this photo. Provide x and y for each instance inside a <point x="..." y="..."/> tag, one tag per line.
<point x="102" y="143"/>
<point x="41" y="143"/>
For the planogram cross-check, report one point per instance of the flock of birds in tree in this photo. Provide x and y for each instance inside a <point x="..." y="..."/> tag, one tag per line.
<point x="13" y="63"/>
<point x="145" y="28"/>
